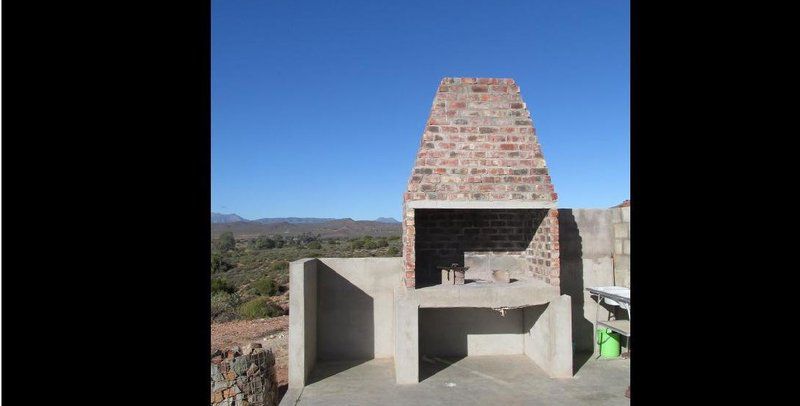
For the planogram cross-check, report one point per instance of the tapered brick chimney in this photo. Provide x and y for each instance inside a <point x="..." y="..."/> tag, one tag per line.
<point x="480" y="181"/>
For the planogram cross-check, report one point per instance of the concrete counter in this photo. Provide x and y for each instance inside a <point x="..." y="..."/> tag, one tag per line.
<point x="520" y="293"/>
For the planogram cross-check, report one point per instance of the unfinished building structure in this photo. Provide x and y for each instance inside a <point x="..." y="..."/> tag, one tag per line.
<point x="480" y="196"/>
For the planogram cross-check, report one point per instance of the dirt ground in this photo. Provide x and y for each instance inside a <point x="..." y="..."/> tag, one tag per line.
<point x="272" y="333"/>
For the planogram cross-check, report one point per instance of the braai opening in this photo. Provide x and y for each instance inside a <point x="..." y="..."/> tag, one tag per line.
<point x="484" y="240"/>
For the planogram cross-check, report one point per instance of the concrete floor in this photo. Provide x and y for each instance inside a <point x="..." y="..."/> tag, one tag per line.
<point x="479" y="380"/>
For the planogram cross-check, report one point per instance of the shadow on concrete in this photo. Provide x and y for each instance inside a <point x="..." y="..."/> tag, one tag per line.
<point x="325" y="369"/>
<point x="532" y="316"/>
<point x="444" y="332"/>
<point x="282" y="391"/>
<point x="432" y="365"/>
<point x="345" y="324"/>
<point x="570" y="245"/>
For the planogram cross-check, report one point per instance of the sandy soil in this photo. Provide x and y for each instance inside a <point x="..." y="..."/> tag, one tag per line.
<point x="272" y="333"/>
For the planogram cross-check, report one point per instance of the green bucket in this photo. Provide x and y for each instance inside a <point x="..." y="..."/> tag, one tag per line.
<point x="608" y="341"/>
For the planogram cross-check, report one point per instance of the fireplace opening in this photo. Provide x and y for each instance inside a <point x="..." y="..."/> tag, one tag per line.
<point x="484" y="240"/>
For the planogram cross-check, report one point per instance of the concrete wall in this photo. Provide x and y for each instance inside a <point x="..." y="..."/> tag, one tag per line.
<point x="548" y="336"/>
<point x="356" y="308"/>
<point x="469" y="331"/>
<point x="341" y="309"/>
<point x="481" y="264"/>
<point x="621" y="218"/>
<point x="406" y="350"/>
<point x="355" y="314"/>
<point x="588" y="240"/>
<point x="302" y="320"/>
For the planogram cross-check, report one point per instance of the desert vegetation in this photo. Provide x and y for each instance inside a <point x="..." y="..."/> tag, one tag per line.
<point x="250" y="276"/>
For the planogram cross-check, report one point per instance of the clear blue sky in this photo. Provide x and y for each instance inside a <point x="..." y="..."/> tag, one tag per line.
<point x="318" y="107"/>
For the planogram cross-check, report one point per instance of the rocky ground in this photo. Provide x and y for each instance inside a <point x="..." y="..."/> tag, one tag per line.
<point x="272" y="333"/>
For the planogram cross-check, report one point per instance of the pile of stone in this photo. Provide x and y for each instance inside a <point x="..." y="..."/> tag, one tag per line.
<point x="243" y="377"/>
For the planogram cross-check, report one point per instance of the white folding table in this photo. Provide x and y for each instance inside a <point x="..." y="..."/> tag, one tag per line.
<point x="615" y="296"/>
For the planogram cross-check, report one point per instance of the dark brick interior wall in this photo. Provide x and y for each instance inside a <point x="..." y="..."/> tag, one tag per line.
<point x="443" y="235"/>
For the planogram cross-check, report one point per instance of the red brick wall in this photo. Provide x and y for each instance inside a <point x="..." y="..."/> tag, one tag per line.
<point x="479" y="143"/>
<point x="409" y="236"/>
<point x="543" y="252"/>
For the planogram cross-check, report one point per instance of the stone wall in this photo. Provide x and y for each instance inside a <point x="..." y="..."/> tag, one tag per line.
<point x="479" y="144"/>
<point x="243" y="377"/>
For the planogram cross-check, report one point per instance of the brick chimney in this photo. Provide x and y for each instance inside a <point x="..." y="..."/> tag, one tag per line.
<point x="480" y="181"/>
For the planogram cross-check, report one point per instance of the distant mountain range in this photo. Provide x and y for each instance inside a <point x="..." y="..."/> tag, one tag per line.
<point x="387" y="220"/>
<point x="293" y="220"/>
<point x="325" y="227"/>
<point x="225" y="218"/>
<point x="217" y="218"/>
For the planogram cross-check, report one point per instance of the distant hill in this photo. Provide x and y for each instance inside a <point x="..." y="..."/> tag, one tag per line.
<point x="387" y="220"/>
<point x="233" y="218"/>
<point x="225" y="218"/>
<point x="337" y="228"/>
<point x="293" y="220"/>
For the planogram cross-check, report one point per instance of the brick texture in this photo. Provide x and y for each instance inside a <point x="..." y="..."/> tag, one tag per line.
<point x="479" y="143"/>
<point x="543" y="252"/>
